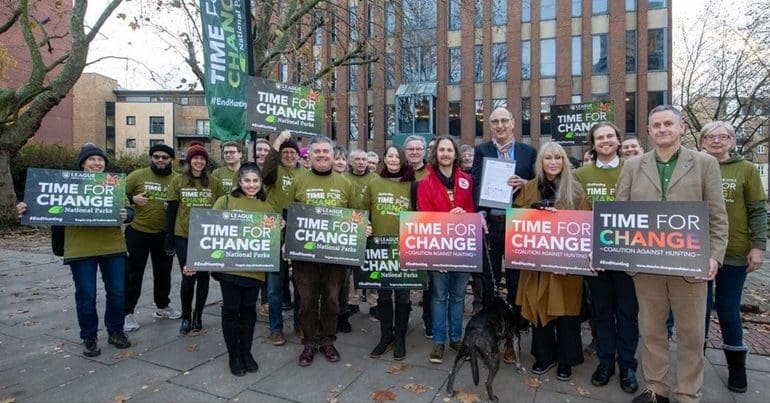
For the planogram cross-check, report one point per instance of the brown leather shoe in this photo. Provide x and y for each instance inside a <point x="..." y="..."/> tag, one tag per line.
<point x="509" y="356"/>
<point x="331" y="353"/>
<point x="306" y="358"/>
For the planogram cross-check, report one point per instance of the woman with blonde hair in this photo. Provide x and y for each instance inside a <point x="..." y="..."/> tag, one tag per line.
<point x="552" y="301"/>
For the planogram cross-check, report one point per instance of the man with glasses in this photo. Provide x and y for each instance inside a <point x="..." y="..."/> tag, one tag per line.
<point x="146" y="190"/>
<point x="415" y="154"/>
<point x="232" y="153"/>
<point x="502" y="146"/>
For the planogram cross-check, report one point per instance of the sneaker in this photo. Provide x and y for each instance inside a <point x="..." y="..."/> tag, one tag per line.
<point x="276" y="338"/>
<point x="264" y="310"/>
<point x="564" y="373"/>
<point x="92" y="349"/>
<point x="455" y="346"/>
<point x="428" y="332"/>
<point x="437" y="354"/>
<point x="119" y="340"/>
<point x="539" y="367"/>
<point x="286" y="306"/>
<point x="129" y="324"/>
<point x="167" y="313"/>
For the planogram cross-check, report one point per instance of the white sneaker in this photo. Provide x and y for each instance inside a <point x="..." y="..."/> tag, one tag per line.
<point x="129" y="324"/>
<point x="167" y="313"/>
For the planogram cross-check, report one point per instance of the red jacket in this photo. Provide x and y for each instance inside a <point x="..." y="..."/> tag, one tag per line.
<point x="432" y="195"/>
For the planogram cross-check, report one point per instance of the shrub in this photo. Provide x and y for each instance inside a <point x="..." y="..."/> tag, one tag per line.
<point x="48" y="156"/>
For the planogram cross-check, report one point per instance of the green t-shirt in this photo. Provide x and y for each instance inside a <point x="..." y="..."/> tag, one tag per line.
<point x="228" y="178"/>
<point x="80" y="242"/>
<point x="599" y="183"/>
<point x="150" y="218"/>
<point x="191" y="196"/>
<point x="278" y="194"/>
<point x="331" y="190"/>
<point x="385" y="199"/>
<point x="742" y="188"/>
<point x="244" y="204"/>
<point x="421" y="173"/>
<point x="361" y="182"/>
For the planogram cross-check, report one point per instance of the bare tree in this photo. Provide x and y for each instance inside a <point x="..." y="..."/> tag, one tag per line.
<point x="57" y="58"/>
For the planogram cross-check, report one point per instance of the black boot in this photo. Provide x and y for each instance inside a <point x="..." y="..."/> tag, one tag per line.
<point x="385" y="311"/>
<point x="402" y="323"/>
<point x="246" y="339"/>
<point x="186" y="324"/>
<point x="197" y="322"/>
<point x="230" y="331"/>
<point x="736" y="366"/>
<point x="343" y="325"/>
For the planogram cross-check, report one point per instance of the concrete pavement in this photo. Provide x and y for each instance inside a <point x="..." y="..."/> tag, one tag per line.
<point x="41" y="359"/>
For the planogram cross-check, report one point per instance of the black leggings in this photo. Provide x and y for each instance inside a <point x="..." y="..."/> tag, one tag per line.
<point x="189" y="286"/>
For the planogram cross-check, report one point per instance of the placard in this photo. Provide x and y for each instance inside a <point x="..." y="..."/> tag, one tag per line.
<point x="274" y="106"/>
<point x="571" y="123"/>
<point x="542" y="240"/>
<point x="658" y="237"/>
<point x="324" y="234"/>
<point x="226" y="240"/>
<point x="441" y="241"/>
<point x="88" y="199"/>
<point x="382" y="271"/>
<point x="494" y="190"/>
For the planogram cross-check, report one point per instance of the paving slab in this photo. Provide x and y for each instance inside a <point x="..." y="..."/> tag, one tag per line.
<point x="375" y="377"/>
<point x="169" y="392"/>
<point x="755" y="362"/>
<point x="187" y="352"/>
<point x="21" y="381"/>
<point x="252" y="396"/>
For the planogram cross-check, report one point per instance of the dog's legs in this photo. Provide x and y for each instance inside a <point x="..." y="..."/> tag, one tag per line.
<point x="492" y="362"/>
<point x="459" y="361"/>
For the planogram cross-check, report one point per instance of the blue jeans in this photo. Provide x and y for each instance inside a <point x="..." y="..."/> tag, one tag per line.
<point x="729" y="288"/>
<point x="113" y="270"/>
<point x="275" y="297"/>
<point x="448" y="300"/>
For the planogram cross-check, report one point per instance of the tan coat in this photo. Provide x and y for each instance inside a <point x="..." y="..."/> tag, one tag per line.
<point x="544" y="296"/>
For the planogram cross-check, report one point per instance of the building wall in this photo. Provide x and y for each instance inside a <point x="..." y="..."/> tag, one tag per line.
<point x="140" y="131"/>
<point x="89" y="120"/>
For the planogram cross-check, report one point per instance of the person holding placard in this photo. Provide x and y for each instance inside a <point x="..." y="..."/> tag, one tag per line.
<point x="552" y="301"/>
<point x="614" y="308"/>
<point x="674" y="173"/>
<point x="446" y="188"/>
<point x="385" y="197"/>
<point x="194" y="188"/>
<point x="240" y="289"/>
<point x="747" y="214"/>
<point x="89" y="248"/>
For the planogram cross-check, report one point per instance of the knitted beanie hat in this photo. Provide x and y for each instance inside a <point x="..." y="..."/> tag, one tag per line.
<point x="196" y="148"/>
<point x="289" y="144"/>
<point x="90" y="149"/>
<point x="162" y="148"/>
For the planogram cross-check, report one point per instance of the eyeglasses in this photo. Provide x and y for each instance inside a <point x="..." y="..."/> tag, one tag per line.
<point x="503" y="121"/>
<point x="161" y="157"/>
<point x="414" y="149"/>
<point x="721" y="137"/>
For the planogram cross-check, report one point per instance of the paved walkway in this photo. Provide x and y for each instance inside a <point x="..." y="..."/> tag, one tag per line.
<point x="41" y="360"/>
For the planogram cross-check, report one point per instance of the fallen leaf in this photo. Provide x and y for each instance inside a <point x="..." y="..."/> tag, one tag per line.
<point x="198" y="332"/>
<point x="9" y="400"/>
<point x="416" y="387"/>
<point x="383" y="395"/>
<point x="533" y="382"/>
<point x="332" y="400"/>
<point x="397" y="369"/>
<point x="22" y="310"/>
<point x="123" y="354"/>
<point x="583" y="391"/>
<point x="467" y="397"/>
<point x="192" y="348"/>
<point x="120" y="398"/>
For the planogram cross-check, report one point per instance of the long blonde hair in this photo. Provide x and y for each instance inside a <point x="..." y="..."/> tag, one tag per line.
<point x="569" y="193"/>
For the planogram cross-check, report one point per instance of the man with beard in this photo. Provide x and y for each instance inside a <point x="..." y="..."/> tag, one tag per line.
<point x="146" y="189"/>
<point x="261" y="148"/>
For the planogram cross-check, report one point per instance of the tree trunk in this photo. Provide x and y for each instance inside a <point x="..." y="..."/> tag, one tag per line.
<point x="7" y="194"/>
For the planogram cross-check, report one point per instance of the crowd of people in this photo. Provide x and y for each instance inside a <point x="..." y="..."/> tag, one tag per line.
<point x="626" y="311"/>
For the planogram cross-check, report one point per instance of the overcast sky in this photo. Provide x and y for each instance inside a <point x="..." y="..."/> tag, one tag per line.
<point x="118" y="39"/>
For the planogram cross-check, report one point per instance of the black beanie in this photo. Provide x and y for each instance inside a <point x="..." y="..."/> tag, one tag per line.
<point x="88" y="150"/>
<point x="289" y="143"/>
<point x="162" y="148"/>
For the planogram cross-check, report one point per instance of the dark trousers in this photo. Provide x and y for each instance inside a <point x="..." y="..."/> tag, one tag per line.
<point x="496" y="239"/>
<point x="196" y="285"/>
<point x="558" y="341"/>
<point x="239" y="315"/>
<point x="427" y="314"/>
<point x="614" y="316"/>
<point x="141" y="245"/>
<point x="318" y="283"/>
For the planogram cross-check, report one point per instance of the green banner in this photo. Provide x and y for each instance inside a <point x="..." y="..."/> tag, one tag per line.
<point x="227" y="62"/>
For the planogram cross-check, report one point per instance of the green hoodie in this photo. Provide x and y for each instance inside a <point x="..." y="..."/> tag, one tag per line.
<point x="745" y="200"/>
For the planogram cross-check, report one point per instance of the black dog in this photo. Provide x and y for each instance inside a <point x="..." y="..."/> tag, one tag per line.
<point x="483" y="334"/>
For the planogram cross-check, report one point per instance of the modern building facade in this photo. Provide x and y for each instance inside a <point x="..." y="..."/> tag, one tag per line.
<point x="443" y="66"/>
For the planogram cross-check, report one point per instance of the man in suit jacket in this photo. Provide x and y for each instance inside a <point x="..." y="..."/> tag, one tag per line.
<point x="502" y="146"/>
<point x="673" y="173"/>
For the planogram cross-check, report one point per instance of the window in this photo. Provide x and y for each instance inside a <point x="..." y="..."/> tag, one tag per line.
<point x="526" y="60"/>
<point x="478" y="13"/>
<point x="656" y="49"/>
<point x="455" y="70"/>
<point x="548" y="57"/>
<point x="390" y="19"/>
<point x="545" y="114"/>
<point x="156" y="125"/>
<point x="499" y="12"/>
<point x="630" y="112"/>
<point x="130" y="120"/>
<point x="577" y="8"/>
<point x="655" y="98"/>
<point x="576" y="99"/>
<point x="353" y="23"/>
<point x="526" y="116"/>
<point x="390" y="70"/>
<point x="130" y="143"/>
<point x="455" y="119"/>
<point x="369" y="122"/>
<point x="653" y="4"/>
<point x="526" y="11"/>
<point x="405" y="115"/>
<point x="630" y="51"/>
<point x="499" y="61"/>
<point x="478" y="64"/>
<point x="577" y="56"/>
<point x="762" y="168"/>
<point x="422" y="114"/>
<point x="352" y="77"/>
<point x="761" y="150"/>
<point x="631" y="5"/>
<point x="333" y="25"/>
<point x="547" y="9"/>
<point x="369" y="76"/>
<point x="479" y="118"/>
<point x="353" y="123"/>
<point x="454" y="12"/>
<point x="155" y="142"/>
<point x="202" y="127"/>
<point x="390" y="119"/>
<point x="599" y="7"/>
<point x="317" y="17"/>
<point x="418" y="64"/>
<point x="599" y="54"/>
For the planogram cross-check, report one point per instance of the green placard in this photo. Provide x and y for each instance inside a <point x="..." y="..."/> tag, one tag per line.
<point x="571" y="123"/>
<point x="323" y="234"/>
<point x="275" y="106"/>
<point x="382" y="271"/>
